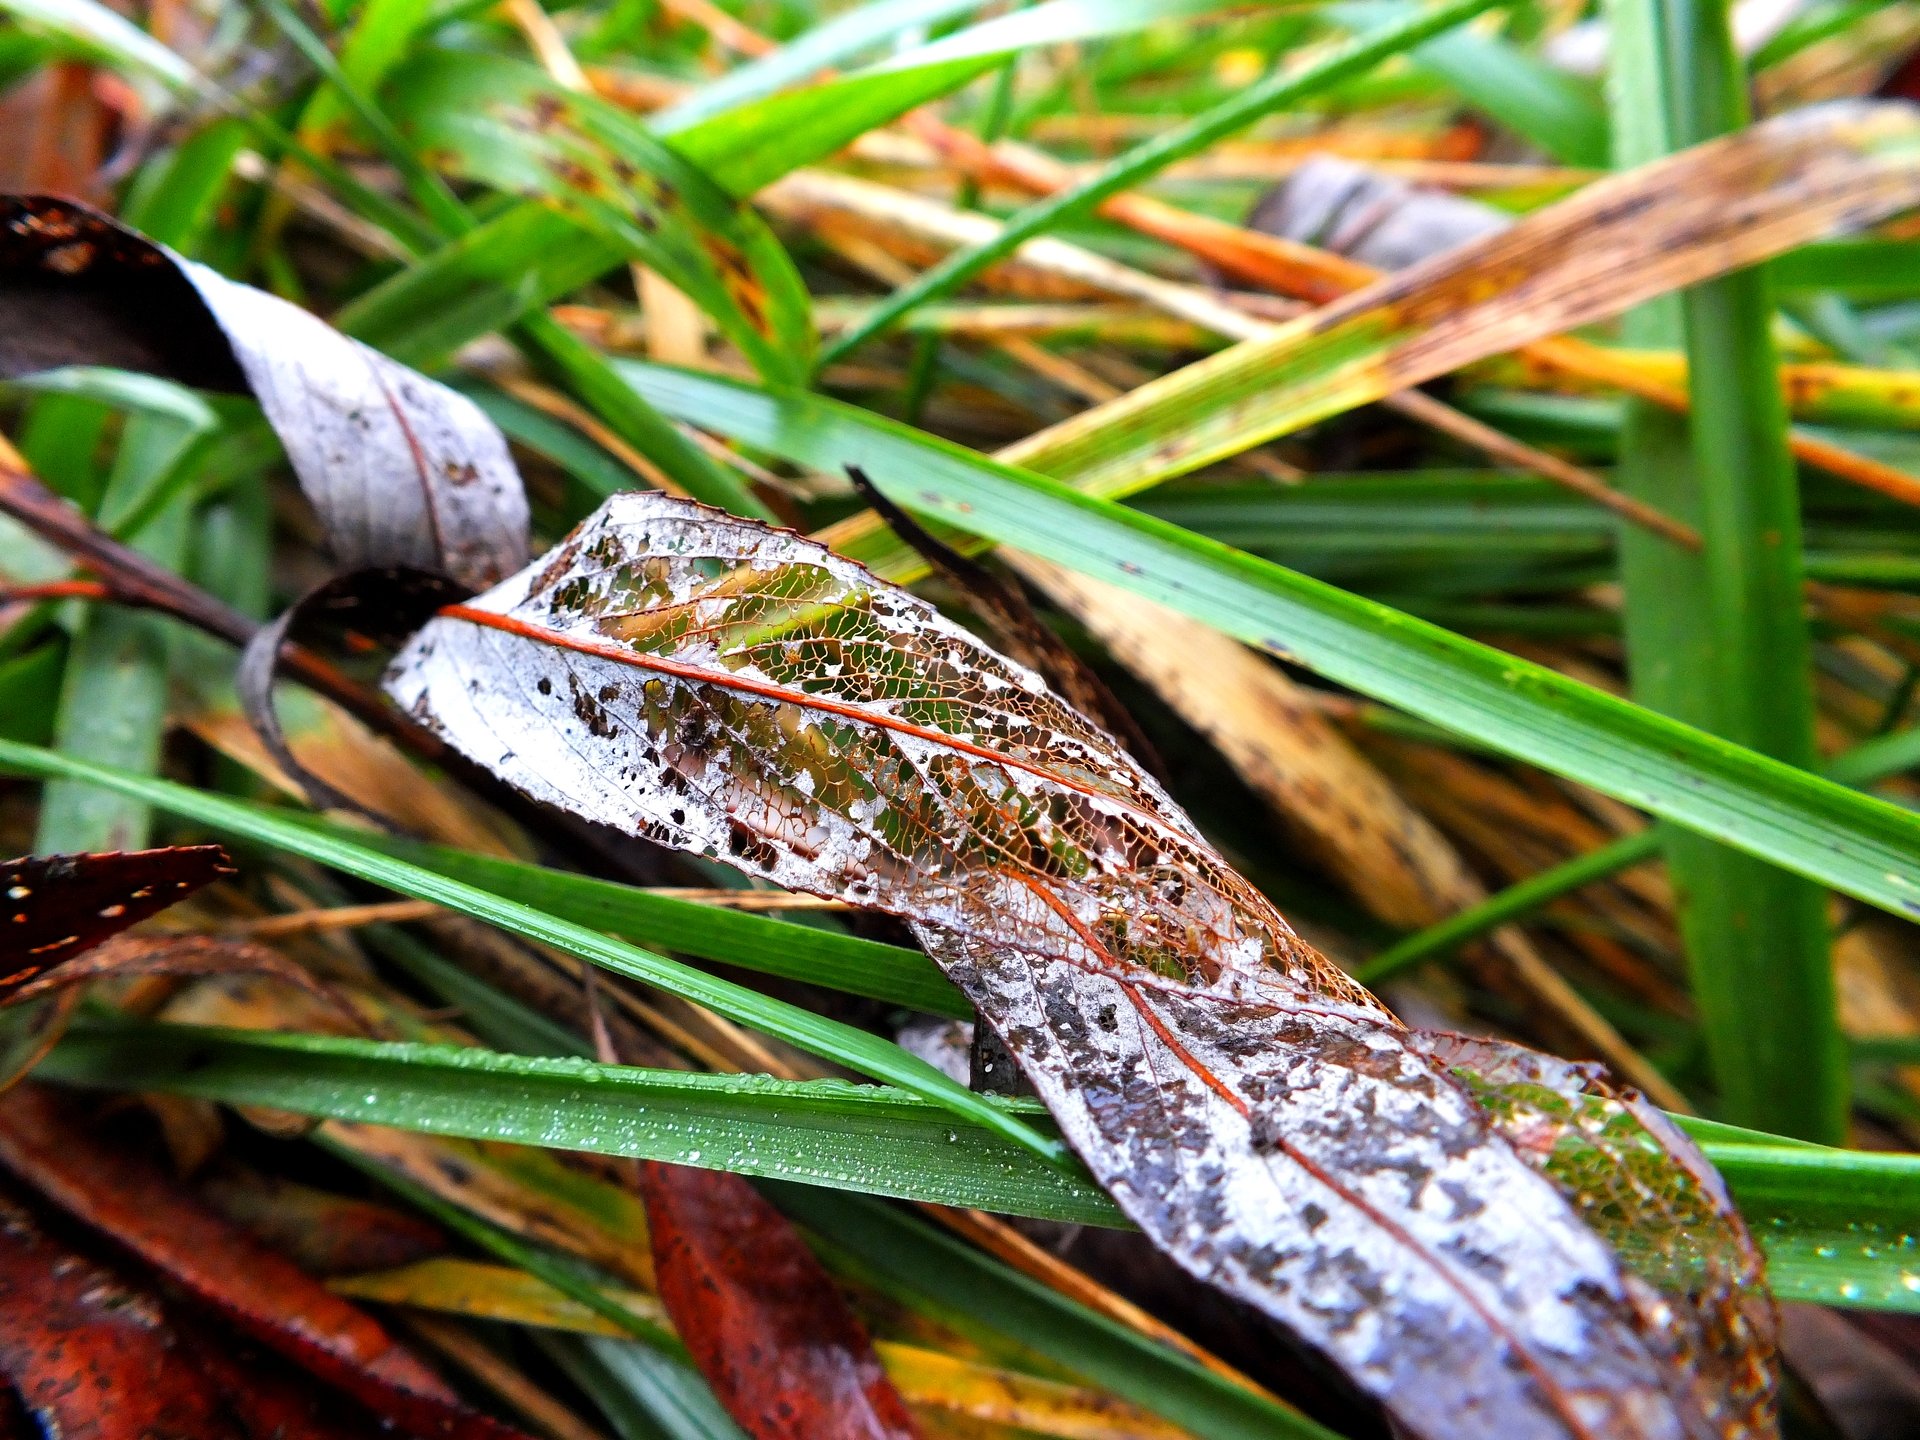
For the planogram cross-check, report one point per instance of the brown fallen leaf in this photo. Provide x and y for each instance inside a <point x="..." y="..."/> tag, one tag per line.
<point x="717" y="686"/>
<point x="1702" y="212"/>
<point x="324" y="1233"/>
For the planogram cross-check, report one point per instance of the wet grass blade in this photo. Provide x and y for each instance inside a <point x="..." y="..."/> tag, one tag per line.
<point x="1718" y="637"/>
<point x="827" y="1135"/>
<point x="1859" y="845"/>
<point x="873" y="1139"/>
<point x="830" y="1039"/>
<point x="752" y="942"/>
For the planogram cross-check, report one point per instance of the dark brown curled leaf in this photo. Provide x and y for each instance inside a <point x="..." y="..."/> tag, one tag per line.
<point x="380" y="605"/>
<point x="401" y="470"/>
<point x="127" y="956"/>
<point x="738" y="691"/>
<point x="53" y="907"/>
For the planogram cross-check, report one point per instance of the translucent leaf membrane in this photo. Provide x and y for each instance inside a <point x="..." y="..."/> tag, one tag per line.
<point x="1694" y="1272"/>
<point x="741" y="692"/>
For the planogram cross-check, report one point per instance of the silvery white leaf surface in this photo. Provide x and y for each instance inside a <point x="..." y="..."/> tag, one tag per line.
<point x="715" y="685"/>
<point x="400" y="469"/>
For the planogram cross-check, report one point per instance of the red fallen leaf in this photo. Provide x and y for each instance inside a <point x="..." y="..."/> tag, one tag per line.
<point x="93" y="1357"/>
<point x="763" y="1320"/>
<point x="89" y="1357"/>
<point x="263" y="1294"/>
<point x="274" y="1401"/>
<point x="323" y="1233"/>
<point x="56" y="906"/>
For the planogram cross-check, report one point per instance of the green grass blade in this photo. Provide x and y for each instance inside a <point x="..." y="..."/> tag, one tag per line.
<point x="113" y="701"/>
<point x="832" y="1136"/>
<point x="749" y="145"/>
<point x="108" y="35"/>
<point x="1718" y="638"/>
<point x="1837" y="1223"/>
<point x="510" y="126"/>
<point x="587" y="373"/>
<point x="598" y="471"/>
<point x="843" y="1044"/>
<point x="870" y="1138"/>
<point x="531" y="254"/>
<point x="429" y="191"/>
<point x="31" y="683"/>
<point x="504" y="268"/>
<point x="644" y="1393"/>
<point x="751" y="942"/>
<point x="1511" y="904"/>
<point x="745" y="149"/>
<point x="1873" y="760"/>
<point x="826" y="45"/>
<point x="1856" y="844"/>
<point x="1862" y="269"/>
<point x="1559" y="112"/>
<point x="382" y="33"/>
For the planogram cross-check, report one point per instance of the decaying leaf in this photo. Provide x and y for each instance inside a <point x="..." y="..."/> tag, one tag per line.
<point x="1020" y="634"/>
<point x="718" y="686"/>
<point x="763" y="1320"/>
<point x="402" y="470"/>
<point x="150" y="1216"/>
<point x="127" y="956"/>
<point x="57" y="906"/>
